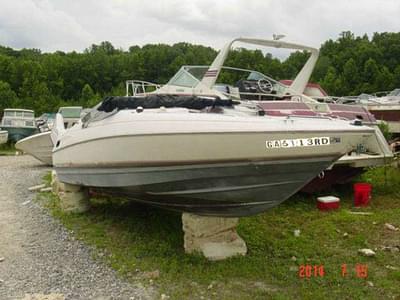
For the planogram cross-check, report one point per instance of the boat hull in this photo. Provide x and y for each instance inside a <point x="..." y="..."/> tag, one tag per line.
<point x="3" y="136"/>
<point x="39" y="146"/>
<point x="18" y="133"/>
<point x="221" y="189"/>
<point x="202" y="163"/>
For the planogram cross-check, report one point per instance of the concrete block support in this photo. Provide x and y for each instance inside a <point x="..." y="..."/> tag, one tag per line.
<point x="73" y="198"/>
<point x="54" y="182"/>
<point x="216" y="238"/>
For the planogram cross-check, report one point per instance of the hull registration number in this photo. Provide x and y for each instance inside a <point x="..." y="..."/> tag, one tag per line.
<point x="304" y="142"/>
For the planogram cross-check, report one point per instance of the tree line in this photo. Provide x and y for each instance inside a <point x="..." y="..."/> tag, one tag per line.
<point x="349" y="65"/>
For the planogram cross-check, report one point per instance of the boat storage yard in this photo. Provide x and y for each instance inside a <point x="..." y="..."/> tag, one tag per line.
<point x="213" y="153"/>
<point x="234" y="158"/>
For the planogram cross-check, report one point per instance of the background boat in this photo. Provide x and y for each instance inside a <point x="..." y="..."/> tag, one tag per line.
<point x="19" y="123"/>
<point x="3" y="136"/>
<point x="41" y="145"/>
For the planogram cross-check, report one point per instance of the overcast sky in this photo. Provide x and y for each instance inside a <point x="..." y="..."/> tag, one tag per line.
<point x="76" y="24"/>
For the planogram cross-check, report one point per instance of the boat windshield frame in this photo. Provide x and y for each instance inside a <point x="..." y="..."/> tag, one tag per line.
<point x="197" y="79"/>
<point x="140" y="87"/>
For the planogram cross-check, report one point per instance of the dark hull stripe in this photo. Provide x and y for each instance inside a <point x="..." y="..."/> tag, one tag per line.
<point x="223" y="190"/>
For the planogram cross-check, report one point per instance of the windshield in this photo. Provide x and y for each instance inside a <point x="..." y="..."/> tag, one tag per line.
<point x="395" y="92"/>
<point x="255" y="76"/>
<point x="184" y="78"/>
<point x="19" y="113"/>
<point x="190" y="76"/>
<point x="364" y="96"/>
<point x="70" y="112"/>
<point x="28" y="114"/>
<point x="234" y="77"/>
<point x="197" y="72"/>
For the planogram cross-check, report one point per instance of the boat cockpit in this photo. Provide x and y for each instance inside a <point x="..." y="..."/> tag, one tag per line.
<point x="233" y="83"/>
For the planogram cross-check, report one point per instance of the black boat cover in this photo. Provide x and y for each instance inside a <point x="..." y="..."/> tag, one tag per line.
<point x="155" y="101"/>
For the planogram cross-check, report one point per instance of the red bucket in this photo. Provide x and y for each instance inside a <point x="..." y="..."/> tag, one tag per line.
<point x="362" y="194"/>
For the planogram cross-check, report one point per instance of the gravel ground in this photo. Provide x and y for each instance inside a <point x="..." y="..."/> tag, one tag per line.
<point x="39" y="254"/>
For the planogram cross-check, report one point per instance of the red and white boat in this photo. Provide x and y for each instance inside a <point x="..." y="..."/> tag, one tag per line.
<point x="385" y="106"/>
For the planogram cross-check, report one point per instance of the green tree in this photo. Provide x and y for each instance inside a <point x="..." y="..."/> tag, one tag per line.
<point x="88" y="97"/>
<point x="350" y="77"/>
<point x="384" y="80"/>
<point x="333" y="83"/>
<point x="370" y="73"/>
<point x="396" y="76"/>
<point x="104" y="47"/>
<point x="8" y="97"/>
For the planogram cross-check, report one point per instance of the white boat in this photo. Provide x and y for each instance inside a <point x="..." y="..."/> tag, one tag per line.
<point x="3" y="136"/>
<point x="40" y="145"/>
<point x="198" y="154"/>
<point x="19" y="123"/>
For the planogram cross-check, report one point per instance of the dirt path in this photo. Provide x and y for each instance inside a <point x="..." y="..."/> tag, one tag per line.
<point x="39" y="254"/>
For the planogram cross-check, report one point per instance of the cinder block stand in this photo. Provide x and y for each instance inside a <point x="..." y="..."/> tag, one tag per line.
<point x="216" y="238"/>
<point x="73" y="198"/>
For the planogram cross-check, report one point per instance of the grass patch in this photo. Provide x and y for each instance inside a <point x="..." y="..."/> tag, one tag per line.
<point x="136" y="239"/>
<point x="7" y="149"/>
